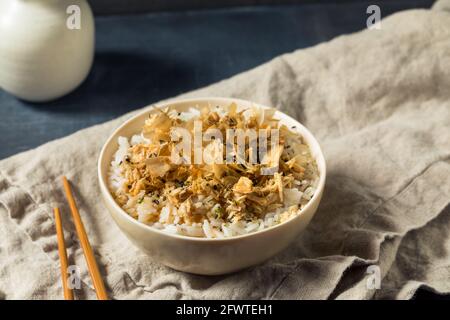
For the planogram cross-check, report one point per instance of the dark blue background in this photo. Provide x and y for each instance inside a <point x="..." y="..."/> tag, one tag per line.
<point x="144" y="58"/>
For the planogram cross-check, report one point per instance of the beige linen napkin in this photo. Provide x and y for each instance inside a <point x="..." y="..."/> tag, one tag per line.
<point x="379" y="103"/>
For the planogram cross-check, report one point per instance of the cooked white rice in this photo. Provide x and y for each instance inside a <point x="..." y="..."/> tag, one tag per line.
<point x="167" y="218"/>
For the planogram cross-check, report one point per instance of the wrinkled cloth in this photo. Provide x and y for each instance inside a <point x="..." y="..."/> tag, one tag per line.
<point x="378" y="101"/>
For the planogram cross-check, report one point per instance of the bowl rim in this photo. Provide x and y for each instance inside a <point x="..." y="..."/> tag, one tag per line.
<point x="113" y="137"/>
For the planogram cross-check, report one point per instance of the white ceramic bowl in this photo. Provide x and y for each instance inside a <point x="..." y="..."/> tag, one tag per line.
<point x="202" y="255"/>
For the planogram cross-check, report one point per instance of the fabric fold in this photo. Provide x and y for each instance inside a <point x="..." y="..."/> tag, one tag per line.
<point x="379" y="104"/>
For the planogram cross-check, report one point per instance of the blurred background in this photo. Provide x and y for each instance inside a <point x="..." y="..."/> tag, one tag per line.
<point x="139" y="6"/>
<point x="150" y="50"/>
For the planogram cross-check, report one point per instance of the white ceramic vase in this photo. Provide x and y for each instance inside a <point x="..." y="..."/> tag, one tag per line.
<point x="46" y="47"/>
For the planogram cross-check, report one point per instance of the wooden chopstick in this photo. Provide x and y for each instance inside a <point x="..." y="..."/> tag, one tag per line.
<point x="68" y="293"/>
<point x="85" y="245"/>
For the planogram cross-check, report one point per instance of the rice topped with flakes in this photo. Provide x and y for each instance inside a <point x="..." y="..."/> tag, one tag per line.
<point x="212" y="200"/>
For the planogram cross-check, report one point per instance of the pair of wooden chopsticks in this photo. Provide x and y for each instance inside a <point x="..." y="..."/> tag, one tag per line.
<point x="85" y="245"/>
